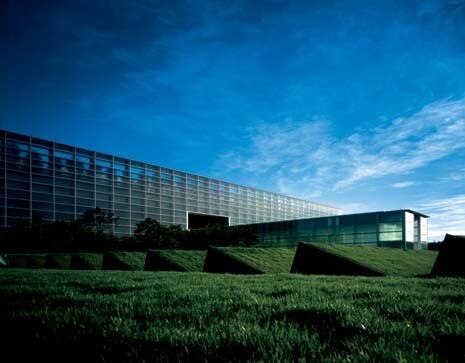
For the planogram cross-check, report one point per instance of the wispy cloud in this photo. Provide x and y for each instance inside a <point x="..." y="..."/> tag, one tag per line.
<point x="404" y="184"/>
<point x="456" y="175"/>
<point x="447" y="216"/>
<point x="405" y="144"/>
<point x="305" y="158"/>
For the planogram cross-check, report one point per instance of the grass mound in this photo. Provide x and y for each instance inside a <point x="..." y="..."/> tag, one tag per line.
<point x="390" y="261"/>
<point x="58" y="261"/>
<point x="129" y="261"/>
<point x="26" y="260"/>
<point x="86" y="261"/>
<point x="311" y="259"/>
<point x="451" y="258"/>
<point x="220" y="261"/>
<point x="175" y="260"/>
<point x="266" y="260"/>
<point x="117" y="316"/>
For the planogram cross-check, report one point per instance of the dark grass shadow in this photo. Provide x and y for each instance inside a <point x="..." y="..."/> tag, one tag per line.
<point x="220" y="262"/>
<point x="310" y="259"/>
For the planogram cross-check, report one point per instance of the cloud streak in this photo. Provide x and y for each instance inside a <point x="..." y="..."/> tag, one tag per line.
<point x="304" y="158"/>
<point x="405" y="184"/>
<point x="406" y="143"/>
<point x="447" y="216"/>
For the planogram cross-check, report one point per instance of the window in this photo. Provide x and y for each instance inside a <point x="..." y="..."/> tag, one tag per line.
<point x="64" y="182"/>
<point x="18" y="167"/>
<point x="165" y="176"/>
<point x="15" y="203"/>
<point x="122" y="214"/>
<point x="121" y="191"/>
<point x="83" y="160"/>
<point x="64" y="208"/>
<point x="121" y="206"/>
<point x="42" y="164"/>
<point x="104" y="189"/>
<point x="15" y="146"/>
<point x="136" y="194"/>
<point x="84" y="186"/>
<point x="87" y="179"/>
<point x="152" y="174"/>
<point x="64" y="200"/>
<point x="138" y="216"/>
<point x="63" y="155"/>
<point x="103" y="166"/>
<point x="153" y="210"/>
<point x="42" y="179"/>
<point x="18" y="160"/>
<point x="21" y="213"/>
<point x="136" y="170"/>
<point x="108" y="182"/>
<point x="63" y="174"/>
<point x="42" y="206"/>
<point x="121" y="199"/>
<point x="121" y="170"/>
<point x="102" y="196"/>
<point x="105" y="176"/>
<point x="85" y="202"/>
<point x="18" y="194"/>
<point x="42" y="214"/>
<point x="104" y="205"/>
<point x="40" y="150"/>
<point x="85" y="194"/>
<point x="18" y="176"/>
<point x="64" y="217"/>
<point x="192" y="181"/>
<point x="137" y="201"/>
<point x="42" y="197"/>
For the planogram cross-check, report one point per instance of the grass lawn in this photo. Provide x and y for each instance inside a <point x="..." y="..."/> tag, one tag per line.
<point x="267" y="260"/>
<point x="391" y="261"/>
<point x="188" y="259"/>
<point x="86" y="261"/>
<point x="132" y="261"/>
<point x="58" y="261"/>
<point x="166" y="316"/>
<point x="33" y="261"/>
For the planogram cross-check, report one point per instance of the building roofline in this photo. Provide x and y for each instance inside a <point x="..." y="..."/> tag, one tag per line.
<point x="415" y="212"/>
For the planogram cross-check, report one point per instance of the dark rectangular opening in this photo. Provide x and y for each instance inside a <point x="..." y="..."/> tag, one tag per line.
<point x="196" y="221"/>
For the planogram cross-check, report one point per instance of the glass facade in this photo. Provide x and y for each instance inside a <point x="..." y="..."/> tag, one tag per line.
<point x="385" y="229"/>
<point x="60" y="182"/>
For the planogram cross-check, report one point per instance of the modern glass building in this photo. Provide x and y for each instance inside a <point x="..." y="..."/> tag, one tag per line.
<point x="399" y="228"/>
<point x="60" y="182"/>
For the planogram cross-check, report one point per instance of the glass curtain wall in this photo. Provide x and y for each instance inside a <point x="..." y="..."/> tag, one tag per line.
<point x="60" y="182"/>
<point x="377" y="229"/>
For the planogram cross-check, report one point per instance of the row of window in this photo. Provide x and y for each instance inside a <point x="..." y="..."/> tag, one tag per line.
<point x="125" y="189"/>
<point x="88" y="176"/>
<point x="87" y="161"/>
<point x="124" y="208"/>
<point x="122" y="195"/>
<point x="87" y="191"/>
<point x="165" y="208"/>
<point x="126" y="229"/>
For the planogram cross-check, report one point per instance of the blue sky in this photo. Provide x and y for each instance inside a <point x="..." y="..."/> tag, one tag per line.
<point x="356" y="104"/>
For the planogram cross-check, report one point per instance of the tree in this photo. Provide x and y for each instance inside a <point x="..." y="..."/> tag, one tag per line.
<point x="98" y="220"/>
<point x="155" y="235"/>
<point x="149" y="230"/>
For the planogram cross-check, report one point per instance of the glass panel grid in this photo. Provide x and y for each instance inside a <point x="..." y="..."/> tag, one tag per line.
<point x="77" y="179"/>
